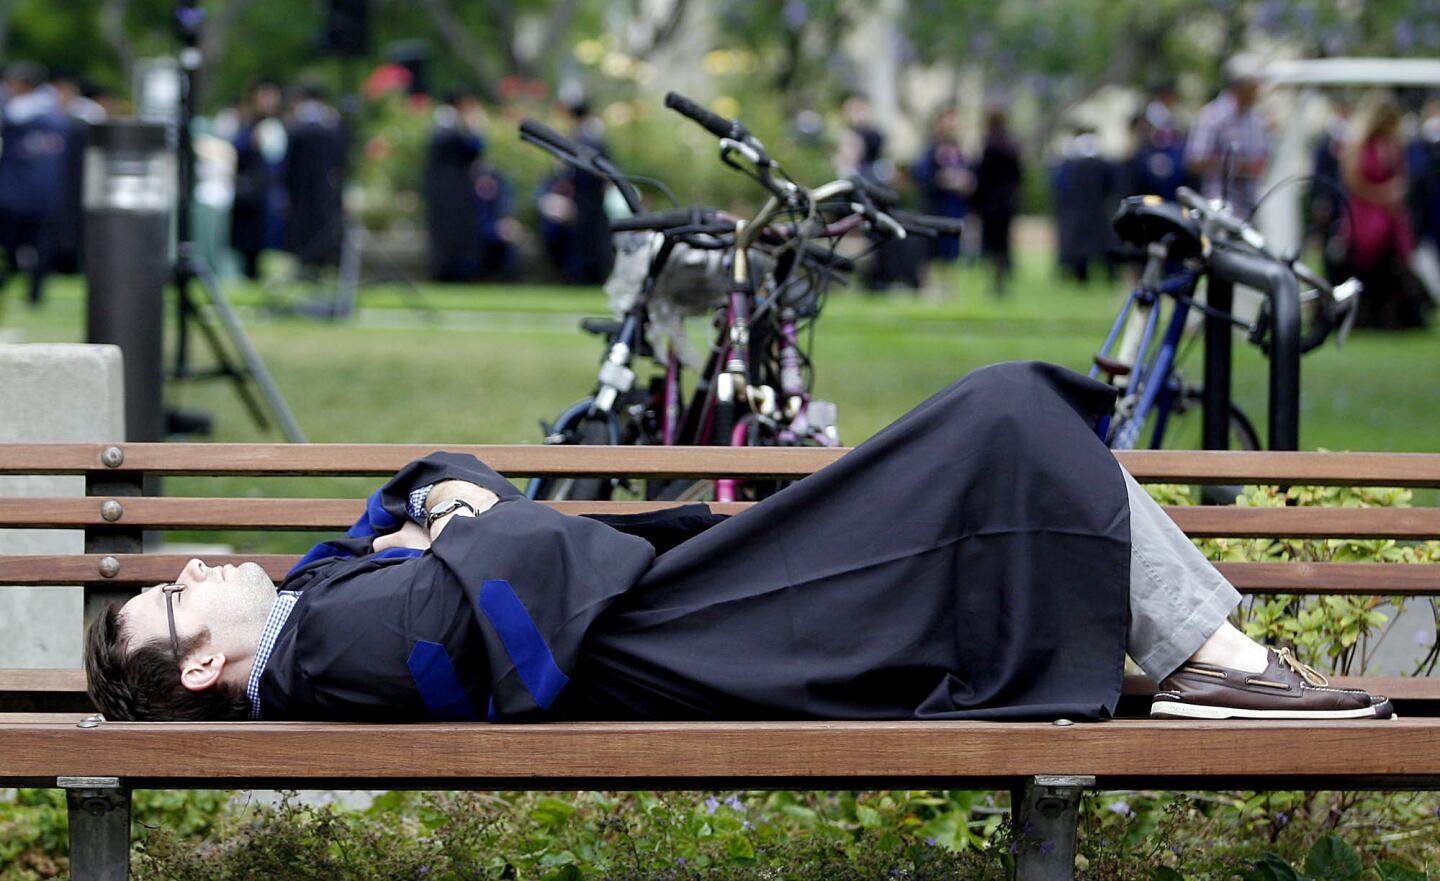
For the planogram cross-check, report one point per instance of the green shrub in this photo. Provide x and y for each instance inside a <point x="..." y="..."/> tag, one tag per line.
<point x="1338" y="634"/>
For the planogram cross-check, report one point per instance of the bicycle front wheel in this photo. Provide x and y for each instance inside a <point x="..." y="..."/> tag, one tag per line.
<point x="1185" y="427"/>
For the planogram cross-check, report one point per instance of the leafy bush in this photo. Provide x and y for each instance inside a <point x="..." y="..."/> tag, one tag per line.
<point x="1335" y="633"/>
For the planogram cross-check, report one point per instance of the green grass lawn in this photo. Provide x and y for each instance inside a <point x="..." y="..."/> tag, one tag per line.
<point x="504" y="357"/>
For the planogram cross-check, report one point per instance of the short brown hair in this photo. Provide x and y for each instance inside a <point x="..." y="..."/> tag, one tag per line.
<point x="144" y="685"/>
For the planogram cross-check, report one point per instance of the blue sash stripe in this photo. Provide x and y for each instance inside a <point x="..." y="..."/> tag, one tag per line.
<point x="398" y="552"/>
<point x="438" y="684"/>
<point x="381" y="520"/>
<point x="523" y="642"/>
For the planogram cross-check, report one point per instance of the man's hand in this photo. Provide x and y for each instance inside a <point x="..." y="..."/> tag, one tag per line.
<point x="411" y="535"/>
<point x="445" y="490"/>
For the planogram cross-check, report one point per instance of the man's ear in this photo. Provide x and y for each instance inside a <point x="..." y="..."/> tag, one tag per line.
<point x="202" y="669"/>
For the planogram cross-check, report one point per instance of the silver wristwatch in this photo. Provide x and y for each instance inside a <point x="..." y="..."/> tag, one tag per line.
<point x="448" y="507"/>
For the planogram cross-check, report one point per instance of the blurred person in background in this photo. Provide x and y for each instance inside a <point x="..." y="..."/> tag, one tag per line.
<point x="33" y="130"/>
<point x="1325" y="200"/>
<point x="1085" y="184"/>
<point x="574" y="225"/>
<point x="862" y="143"/>
<point x="1229" y="146"/>
<point x="259" y="168"/>
<point x="1377" y="226"/>
<point x="77" y="99"/>
<point x="861" y="153"/>
<point x="1157" y="162"/>
<point x="945" y="178"/>
<point x="451" y="209"/>
<point x="997" y="195"/>
<point x="1424" y="160"/>
<point x="498" y="231"/>
<point x="314" y="181"/>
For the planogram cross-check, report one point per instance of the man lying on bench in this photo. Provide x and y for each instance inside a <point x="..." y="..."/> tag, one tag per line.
<point x="984" y="557"/>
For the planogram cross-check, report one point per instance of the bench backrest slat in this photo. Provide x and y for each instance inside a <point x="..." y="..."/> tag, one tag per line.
<point x="1372" y="469"/>
<point x="338" y="514"/>
<point x="1373" y="579"/>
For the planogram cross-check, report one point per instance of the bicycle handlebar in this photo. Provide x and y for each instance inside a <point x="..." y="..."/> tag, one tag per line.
<point x="542" y="135"/>
<point x="581" y="156"/>
<point x="660" y="221"/>
<point x="714" y="123"/>
<point x="1334" y="310"/>
<point x="877" y="191"/>
<point x="929" y="223"/>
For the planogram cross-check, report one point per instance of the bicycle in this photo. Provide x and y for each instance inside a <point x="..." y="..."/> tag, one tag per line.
<point x="755" y="387"/>
<point x="1183" y="243"/>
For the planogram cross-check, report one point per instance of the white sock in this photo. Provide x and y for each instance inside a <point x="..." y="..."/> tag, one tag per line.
<point x="1229" y="647"/>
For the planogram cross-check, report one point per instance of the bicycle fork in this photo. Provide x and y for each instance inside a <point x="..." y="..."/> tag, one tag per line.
<point x="732" y="384"/>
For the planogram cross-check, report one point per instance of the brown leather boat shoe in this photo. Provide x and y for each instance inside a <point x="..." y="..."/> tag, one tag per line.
<point x="1287" y="689"/>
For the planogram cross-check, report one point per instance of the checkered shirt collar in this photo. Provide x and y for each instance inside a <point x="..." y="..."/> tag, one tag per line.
<point x="279" y="614"/>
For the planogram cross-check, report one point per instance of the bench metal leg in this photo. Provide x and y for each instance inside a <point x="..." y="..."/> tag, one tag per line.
<point x="1045" y="812"/>
<point x="99" y="809"/>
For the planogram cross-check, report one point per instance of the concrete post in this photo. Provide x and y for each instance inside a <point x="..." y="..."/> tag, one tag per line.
<point x="56" y="393"/>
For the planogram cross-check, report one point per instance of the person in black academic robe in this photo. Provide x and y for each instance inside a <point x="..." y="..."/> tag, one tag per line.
<point x="1084" y="184"/>
<point x="450" y="198"/>
<point x="969" y="561"/>
<point x="33" y="128"/>
<point x="314" y="181"/>
<point x="997" y="196"/>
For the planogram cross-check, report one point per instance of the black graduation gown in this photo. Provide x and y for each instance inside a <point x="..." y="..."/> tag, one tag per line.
<point x="487" y="624"/>
<point x="451" y="205"/>
<point x="970" y="561"/>
<point x="314" y="182"/>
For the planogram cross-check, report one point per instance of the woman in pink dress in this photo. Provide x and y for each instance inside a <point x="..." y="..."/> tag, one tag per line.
<point x="1377" y="226"/>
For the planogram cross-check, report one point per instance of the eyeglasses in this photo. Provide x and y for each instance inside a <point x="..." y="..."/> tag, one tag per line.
<point x="170" y="590"/>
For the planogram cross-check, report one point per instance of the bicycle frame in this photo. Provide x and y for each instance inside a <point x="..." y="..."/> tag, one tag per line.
<point x="1151" y="385"/>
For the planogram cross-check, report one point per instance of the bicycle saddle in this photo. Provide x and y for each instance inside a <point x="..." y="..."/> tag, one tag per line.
<point x="607" y="327"/>
<point x="1145" y="219"/>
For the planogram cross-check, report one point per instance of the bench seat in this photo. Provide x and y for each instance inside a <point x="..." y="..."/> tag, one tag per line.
<point x="1403" y="752"/>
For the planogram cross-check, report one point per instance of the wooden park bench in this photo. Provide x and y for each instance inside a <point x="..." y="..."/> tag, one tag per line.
<point x="47" y="738"/>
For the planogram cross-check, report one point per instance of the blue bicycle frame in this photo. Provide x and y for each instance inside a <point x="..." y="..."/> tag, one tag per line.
<point x="1151" y="383"/>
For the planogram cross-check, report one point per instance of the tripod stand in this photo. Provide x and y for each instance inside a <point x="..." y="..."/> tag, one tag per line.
<point x="215" y="318"/>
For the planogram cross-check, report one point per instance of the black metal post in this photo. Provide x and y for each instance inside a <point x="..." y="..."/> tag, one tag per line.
<point x="99" y="809"/>
<point x="127" y="242"/>
<point x="1220" y="295"/>
<point x="1245" y="267"/>
<point x="1285" y="363"/>
<point x="1045" y="813"/>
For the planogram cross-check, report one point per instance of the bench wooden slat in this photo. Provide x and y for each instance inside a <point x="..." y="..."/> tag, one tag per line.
<point x="273" y="514"/>
<point x="1377" y="469"/>
<point x="1408" y="688"/>
<point x="1221" y="522"/>
<point x="1375" y="579"/>
<point x="219" y="754"/>
<point x="338" y="514"/>
<point x="19" y="679"/>
<point x="386" y="459"/>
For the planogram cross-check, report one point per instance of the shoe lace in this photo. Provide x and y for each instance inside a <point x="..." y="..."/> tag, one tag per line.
<point x="1304" y="671"/>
